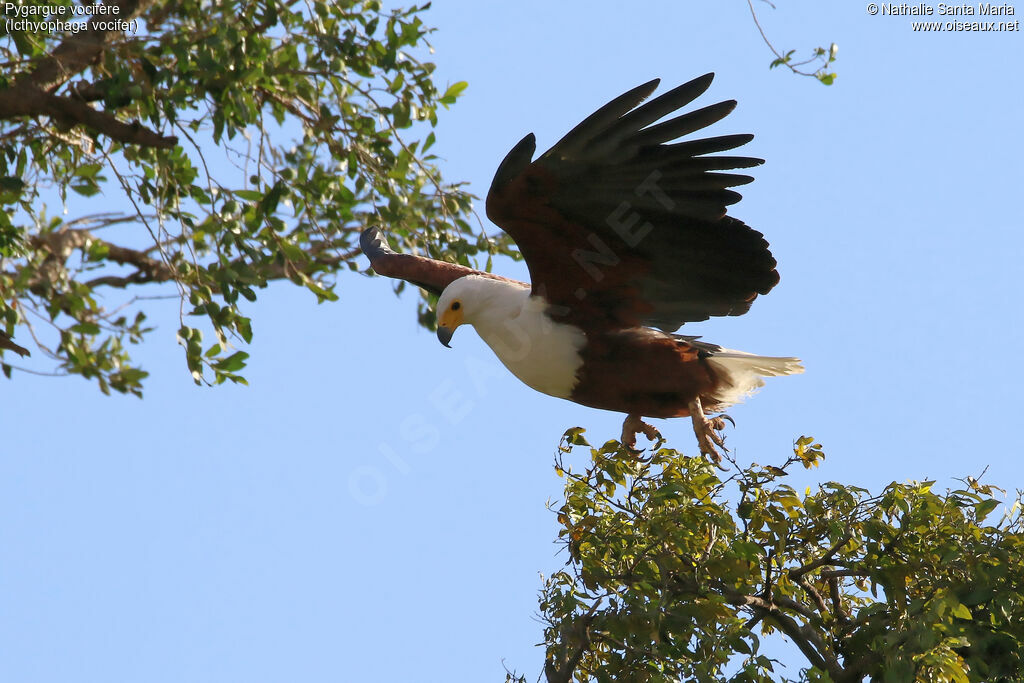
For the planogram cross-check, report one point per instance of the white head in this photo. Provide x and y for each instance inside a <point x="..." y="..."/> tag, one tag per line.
<point x="473" y="299"/>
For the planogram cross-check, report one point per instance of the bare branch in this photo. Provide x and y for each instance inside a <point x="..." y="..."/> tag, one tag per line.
<point x="837" y="600"/>
<point x="835" y="573"/>
<point x="823" y="560"/>
<point x="819" y="601"/>
<point x="793" y="605"/>
<point x="817" y="653"/>
<point x="785" y="622"/>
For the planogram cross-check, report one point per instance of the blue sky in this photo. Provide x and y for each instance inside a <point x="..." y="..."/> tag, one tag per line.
<point x="372" y="506"/>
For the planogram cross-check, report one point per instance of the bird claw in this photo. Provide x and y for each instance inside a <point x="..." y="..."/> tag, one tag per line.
<point x="635" y="425"/>
<point x="708" y="431"/>
<point x="718" y="422"/>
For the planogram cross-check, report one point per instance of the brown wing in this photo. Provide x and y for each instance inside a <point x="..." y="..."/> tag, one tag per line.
<point x="430" y="274"/>
<point x="620" y="229"/>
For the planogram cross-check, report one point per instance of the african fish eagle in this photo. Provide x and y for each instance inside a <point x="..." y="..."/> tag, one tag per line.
<point x="626" y="238"/>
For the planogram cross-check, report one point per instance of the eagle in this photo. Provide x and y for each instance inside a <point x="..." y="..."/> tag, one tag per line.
<point x="624" y="231"/>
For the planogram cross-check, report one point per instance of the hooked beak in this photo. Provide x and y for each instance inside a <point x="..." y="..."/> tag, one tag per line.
<point x="444" y="335"/>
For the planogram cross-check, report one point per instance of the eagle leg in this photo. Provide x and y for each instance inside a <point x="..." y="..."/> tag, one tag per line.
<point x="708" y="431"/>
<point x="634" y="425"/>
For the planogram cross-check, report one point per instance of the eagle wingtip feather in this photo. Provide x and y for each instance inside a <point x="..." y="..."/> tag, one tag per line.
<point x="699" y="84"/>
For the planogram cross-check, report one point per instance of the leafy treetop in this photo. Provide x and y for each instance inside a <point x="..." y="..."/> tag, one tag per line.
<point x="675" y="571"/>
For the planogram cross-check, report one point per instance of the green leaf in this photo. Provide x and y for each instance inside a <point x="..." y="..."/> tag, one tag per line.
<point x="87" y="328"/>
<point x="270" y="201"/>
<point x="232" y="363"/>
<point x="88" y="170"/>
<point x="982" y="510"/>
<point x="14" y="184"/>
<point x="961" y="612"/>
<point x="574" y="437"/>
<point x="453" y="91"/>
<point x="86" y="189"/>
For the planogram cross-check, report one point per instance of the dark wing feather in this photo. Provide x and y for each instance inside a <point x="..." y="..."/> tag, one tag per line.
<point x="430" y="274"/>
<point x="620" y="229"/>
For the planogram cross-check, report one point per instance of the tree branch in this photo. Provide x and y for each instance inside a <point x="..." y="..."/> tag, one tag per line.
<point x="823" y="560"/>
<point x="837" y="600"/>
<point x="81" y="49"/>
<point x="790" y="604"/>
<point x="86" y="92"/>
<point x="782" y="59"/>
<point x="833" y="573"/>
<point x="25" y="100"/>
<point x="62" y="243"/>
<point x="577" y="640"/>
<point x="33" y="92"/>
<point x="783" y="621"/>
<point x="817" y="653"/>
<point x="819" y="601"/>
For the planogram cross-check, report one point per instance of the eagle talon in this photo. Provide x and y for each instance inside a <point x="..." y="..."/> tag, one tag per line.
<point x="715" y="428"/>
<point x="708" y="431"/>
<point x="718" y="422"/>
<point x="706" y="440"/>
<point x="634" y="425"/>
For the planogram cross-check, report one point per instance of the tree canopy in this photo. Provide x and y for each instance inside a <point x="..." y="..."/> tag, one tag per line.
<point x="676" y="570"/>
<point x="214" y="147"/>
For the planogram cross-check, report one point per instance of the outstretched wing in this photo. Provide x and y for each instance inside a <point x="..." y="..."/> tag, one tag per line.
<point x="430" y="274"/>
<point x="620" y="228"/>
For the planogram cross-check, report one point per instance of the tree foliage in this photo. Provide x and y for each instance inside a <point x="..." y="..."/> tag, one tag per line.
<point x="677" y="570"/>
<point x="215" y="147"/>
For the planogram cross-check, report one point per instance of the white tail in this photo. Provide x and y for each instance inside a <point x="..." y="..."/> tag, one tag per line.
<point x="741" y="373"/>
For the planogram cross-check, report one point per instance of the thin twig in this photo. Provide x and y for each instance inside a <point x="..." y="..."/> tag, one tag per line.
<point x="824" y="559"/>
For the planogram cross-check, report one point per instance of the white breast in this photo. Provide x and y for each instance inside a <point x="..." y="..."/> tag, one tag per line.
<point x="541" y="352"/>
